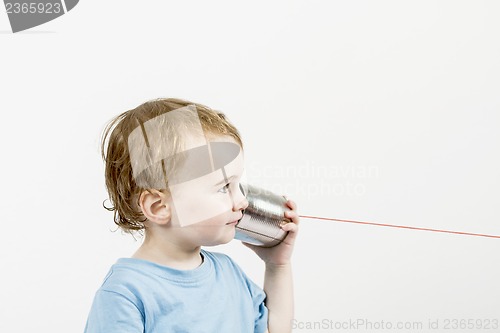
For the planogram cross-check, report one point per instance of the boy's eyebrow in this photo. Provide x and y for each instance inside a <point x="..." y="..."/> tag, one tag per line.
<point x="225" y="180"/>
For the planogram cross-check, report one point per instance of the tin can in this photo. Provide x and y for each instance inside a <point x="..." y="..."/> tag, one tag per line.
<point x="261" y="221"/>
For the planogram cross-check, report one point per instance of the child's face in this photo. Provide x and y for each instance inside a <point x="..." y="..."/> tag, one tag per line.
<point x="205" y="209"/>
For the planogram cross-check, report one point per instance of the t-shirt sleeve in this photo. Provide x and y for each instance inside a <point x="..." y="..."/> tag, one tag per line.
<point x="260" y="309"/>
<point x="112" y="312"/>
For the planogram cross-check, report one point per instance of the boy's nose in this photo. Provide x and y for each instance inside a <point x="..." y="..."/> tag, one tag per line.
<point x="241" y="205"/>
<point x="240" y="202"/>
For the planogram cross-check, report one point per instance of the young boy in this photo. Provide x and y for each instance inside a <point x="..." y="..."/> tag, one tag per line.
<point x="172" y="172"/>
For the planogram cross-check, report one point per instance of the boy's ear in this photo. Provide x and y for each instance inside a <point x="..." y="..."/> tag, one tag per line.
<point x="155" y="207"/>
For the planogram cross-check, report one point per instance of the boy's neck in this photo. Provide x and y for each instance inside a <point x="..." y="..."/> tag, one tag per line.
<point x="163" y="252"/>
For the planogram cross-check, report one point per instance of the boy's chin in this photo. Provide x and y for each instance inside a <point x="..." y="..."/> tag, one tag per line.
<point x="222" y="240"/>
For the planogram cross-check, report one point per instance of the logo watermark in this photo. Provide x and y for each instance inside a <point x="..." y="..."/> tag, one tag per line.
<point x="315" y="180"/>
<point x="24" y="15"/>
<point x="364" y="324"/>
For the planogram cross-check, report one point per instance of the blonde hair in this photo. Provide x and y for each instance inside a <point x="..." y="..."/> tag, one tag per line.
<point x="123" y="183"/>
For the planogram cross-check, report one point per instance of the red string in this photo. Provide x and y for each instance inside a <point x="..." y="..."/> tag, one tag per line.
<point x="399" y="226"/>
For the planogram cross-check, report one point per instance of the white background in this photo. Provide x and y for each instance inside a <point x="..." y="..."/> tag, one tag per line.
<point x="398" y="100"/>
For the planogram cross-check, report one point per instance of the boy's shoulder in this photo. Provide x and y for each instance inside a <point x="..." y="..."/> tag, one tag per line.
<point x="219" y="258"/>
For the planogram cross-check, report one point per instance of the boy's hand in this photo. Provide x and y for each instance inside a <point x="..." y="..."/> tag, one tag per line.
<point x="281" y="254"/>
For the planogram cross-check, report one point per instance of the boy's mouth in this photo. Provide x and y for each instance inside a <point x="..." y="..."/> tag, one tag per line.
<point x="235" y="221"/>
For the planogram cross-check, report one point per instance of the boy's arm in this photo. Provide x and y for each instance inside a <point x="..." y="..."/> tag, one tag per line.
<point x="279" y="300"/>
<point x="278" y="283"/>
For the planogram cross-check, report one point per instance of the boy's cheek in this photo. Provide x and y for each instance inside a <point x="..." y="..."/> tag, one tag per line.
<point x="198" y="206"/>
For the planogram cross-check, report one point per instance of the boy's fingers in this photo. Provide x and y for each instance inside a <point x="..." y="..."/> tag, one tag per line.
<point x="291" y="214"/>
<point x="290" y="227"/>
<point x="290" y="203"/>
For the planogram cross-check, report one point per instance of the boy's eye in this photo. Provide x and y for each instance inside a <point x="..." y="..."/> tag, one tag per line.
<point x="224" y="189"/>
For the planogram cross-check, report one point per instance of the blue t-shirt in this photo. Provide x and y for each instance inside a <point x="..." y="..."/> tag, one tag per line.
<point x="141" y="296"/>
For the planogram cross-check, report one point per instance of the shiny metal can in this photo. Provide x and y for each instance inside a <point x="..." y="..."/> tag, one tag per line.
<point x="261" y="221"/>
